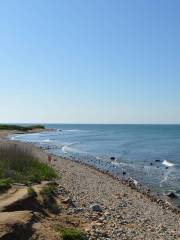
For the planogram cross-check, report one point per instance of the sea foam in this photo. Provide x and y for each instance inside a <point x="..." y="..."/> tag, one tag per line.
<point x="167" y="163"/>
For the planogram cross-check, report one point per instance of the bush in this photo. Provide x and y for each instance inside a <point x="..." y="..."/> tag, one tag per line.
<point x="70" y="233"/>
<point x="5" y="184"/>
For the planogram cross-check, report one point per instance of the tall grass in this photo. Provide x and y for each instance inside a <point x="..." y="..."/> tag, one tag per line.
<point x="20" y="165"/>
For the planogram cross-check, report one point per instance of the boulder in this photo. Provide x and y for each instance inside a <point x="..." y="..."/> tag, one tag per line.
<point x="171" y="195"/>
<point x="95" y="207"/>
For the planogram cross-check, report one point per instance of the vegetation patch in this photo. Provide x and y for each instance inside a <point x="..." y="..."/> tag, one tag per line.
<point x="20" y="166"/>
<point x="70" y="233"/>
<point x="5" y="184"/>
<point x="49" y="200"/>
<point x="20" y="127"/>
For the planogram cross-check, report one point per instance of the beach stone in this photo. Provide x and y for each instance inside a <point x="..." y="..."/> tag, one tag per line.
<point x="95" y="208"/>
<point x="69" y="201"/>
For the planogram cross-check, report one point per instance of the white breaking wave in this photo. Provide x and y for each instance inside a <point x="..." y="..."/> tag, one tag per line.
<point x="68" y="149"/>
<point x="167" y="163"/>
<point x="47" y="140"/>
<point x="72" y="130"/>
<point x="115" y="163"/>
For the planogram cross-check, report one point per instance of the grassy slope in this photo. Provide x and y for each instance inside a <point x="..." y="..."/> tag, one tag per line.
<point x="20" y="166"/>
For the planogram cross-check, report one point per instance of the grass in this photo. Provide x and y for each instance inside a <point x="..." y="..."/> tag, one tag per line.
<point x="20" y="128"/>
<point x="5" y="184"/>
<point x="49" y="200"/>
<point x="20" y="166"/>
<point x="70" y="233"/>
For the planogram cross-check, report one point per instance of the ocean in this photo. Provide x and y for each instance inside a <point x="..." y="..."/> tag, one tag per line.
<point x="150" y="154"/>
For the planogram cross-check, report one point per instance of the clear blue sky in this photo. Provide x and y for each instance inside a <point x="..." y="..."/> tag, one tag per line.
<point x="90" y="61"/>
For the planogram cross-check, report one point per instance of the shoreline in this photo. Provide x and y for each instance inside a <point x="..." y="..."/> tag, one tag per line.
<point x="136" y="202"/>
<point x="130" y="182"/>
<point x="127" y="211"/>
<point x="153" y="196"/>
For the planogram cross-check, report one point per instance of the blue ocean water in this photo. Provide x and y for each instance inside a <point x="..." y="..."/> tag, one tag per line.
<point x="148" y="153"/>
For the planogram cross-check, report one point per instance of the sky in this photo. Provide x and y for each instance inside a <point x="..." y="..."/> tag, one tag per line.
<point x="93" y="61"/>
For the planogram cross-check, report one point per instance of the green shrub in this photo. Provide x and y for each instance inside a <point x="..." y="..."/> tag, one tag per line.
<point x="70" y="233"/>
<point x="5" y="184"/>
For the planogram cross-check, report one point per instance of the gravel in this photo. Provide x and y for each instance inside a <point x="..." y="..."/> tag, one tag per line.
<point x="126" y="213"/>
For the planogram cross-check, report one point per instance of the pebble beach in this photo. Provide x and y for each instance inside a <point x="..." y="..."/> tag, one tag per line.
<point x="109" y="208"/>
<point x="124" y="212"/>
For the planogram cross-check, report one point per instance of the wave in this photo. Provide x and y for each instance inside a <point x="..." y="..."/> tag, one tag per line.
<point x="72" y="130"/>
<point x="167" y="163"/>
<point x="68" y="149"/>
<point x="115" y="163"/>
<point x="165" y="179"/>
<point x="47" y="140"/>
<point x="12" y="138"/>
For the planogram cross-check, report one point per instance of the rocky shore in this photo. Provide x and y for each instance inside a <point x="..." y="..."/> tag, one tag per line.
<point x="114" y="209"/>
<point x="104" y="207"/>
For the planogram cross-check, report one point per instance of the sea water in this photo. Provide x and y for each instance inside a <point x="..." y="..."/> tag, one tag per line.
<point x="148" y="153"/>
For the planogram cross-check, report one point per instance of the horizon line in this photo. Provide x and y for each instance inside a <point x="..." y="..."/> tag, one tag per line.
<point x="98" y="123"/>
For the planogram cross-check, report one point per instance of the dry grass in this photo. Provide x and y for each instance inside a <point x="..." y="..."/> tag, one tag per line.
<point x="18" y="164"/>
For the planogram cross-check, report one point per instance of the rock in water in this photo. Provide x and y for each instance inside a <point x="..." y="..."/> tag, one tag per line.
<point x="172" y="195"/>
